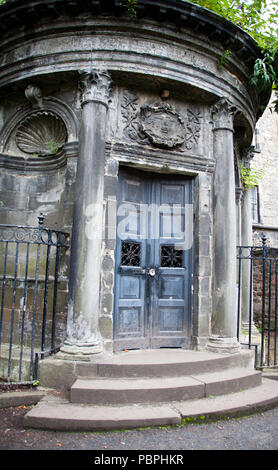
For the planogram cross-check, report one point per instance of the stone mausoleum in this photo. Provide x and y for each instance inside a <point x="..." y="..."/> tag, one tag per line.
<point x="127" y="132"/>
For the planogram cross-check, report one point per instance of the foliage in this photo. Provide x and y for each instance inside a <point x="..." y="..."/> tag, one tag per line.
<point x="250" y="177"/>
<point x="224" y="58"/>
<point x="256" y="17"/>
<point x="259" y="18"/>
<point x="51" y="147"/>
<point x="131" y="7"/>
<point x="265" y="74"/>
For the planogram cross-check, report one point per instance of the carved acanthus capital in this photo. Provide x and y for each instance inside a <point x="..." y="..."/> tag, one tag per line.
<point x="95" y="86"/>
<point x="222" y="114"/>
<point x="247" y="155"/>
<point x="239" y="194"/>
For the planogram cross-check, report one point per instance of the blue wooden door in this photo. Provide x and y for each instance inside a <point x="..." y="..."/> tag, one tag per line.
<point x="153" y="261"/>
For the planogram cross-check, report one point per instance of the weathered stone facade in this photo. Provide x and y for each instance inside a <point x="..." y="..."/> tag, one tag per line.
<point x="266" y="224"/>
<point x="85" y="93"/>
<point x="266" y="158"/>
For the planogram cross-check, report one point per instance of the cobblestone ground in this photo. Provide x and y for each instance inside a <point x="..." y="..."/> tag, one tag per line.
<point x="256" y="432"/>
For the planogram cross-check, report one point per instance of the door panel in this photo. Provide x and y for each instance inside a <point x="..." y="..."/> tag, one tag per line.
<point x="130" y="309"/>
<point x="171" y="287"/>
<point x="153" y="270"/>
<point x="171" y="319"/>
<point x="130" y="287"/>
<point x="170" y="307"/>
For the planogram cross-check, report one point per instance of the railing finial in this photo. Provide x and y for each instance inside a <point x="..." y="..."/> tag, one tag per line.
<point x="41" y="219"/>
<point x="264" y="239"/>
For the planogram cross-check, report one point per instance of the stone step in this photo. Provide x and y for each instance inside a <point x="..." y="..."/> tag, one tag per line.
<point x="66" y="416"/>
<point x="165" y="362"/>
<point x="22" y="397"/>
<point x="61" y="415"/>
<point x="104" y="391"/>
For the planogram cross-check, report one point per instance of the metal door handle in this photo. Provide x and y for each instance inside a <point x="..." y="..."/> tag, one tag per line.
<point x="152" y="272"/>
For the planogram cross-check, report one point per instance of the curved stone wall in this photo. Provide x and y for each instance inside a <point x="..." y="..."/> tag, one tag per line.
<point x="176" y="41"/>
<point x="146" y="92"/>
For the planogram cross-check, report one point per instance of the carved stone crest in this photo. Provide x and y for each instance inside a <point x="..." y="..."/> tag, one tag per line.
<point x="160" y="125"/>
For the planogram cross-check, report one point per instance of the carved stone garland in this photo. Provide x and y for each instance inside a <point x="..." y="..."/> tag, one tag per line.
<point x="160" y="124"/>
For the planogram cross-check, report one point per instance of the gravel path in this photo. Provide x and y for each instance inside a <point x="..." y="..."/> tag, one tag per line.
<point x="256" y="432"/>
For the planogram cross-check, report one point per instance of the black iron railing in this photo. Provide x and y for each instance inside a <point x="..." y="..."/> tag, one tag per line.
<point x="29" y="277"/>
<point x="257" y="320"/>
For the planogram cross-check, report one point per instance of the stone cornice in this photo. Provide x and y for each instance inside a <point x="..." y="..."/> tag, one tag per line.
<point x="188" y="43"/>
<point x="39" y="164"/>
<point x="137" y="155"/>
<point x="265" y="227"/>
<point x="33" y="164"/>
<point x="17" y="13"/>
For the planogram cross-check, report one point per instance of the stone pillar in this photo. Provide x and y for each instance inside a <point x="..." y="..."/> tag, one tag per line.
<point x="224" y="295"/>
<point x="84" y="286"/>
<point x="239" y="196"/>
<point x="247" y="240"/>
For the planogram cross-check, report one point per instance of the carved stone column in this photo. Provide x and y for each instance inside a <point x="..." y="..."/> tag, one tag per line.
<point x="224" y="300"/>
<point x="83" y="307"/>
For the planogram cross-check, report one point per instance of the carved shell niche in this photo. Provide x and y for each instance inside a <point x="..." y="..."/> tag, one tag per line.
<point x="42" y="133"/>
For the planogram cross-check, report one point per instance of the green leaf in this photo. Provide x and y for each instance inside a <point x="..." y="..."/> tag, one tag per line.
<point x="250" y="177"/>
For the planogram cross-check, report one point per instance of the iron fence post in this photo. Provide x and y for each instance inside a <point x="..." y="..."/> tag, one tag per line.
<point x="14" y="335"/>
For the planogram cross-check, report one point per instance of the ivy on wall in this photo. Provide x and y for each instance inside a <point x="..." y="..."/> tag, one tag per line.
<point x="250" y="177"/>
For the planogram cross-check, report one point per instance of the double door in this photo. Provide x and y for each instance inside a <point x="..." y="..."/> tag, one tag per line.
<point x="153" y="275"/>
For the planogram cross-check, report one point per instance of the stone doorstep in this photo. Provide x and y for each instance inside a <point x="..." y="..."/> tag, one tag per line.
<point x="59" y="414"/>
<point x="104" y="391"/>
<point x="157" y="363"/>
<point x="56" y="371"/>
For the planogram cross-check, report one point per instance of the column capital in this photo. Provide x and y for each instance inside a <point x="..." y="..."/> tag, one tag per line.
<point x="247" y="155"/>
<point x="239" y="194"/>
<point x="222" y="114"/>
<point x="95" y="86"/>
